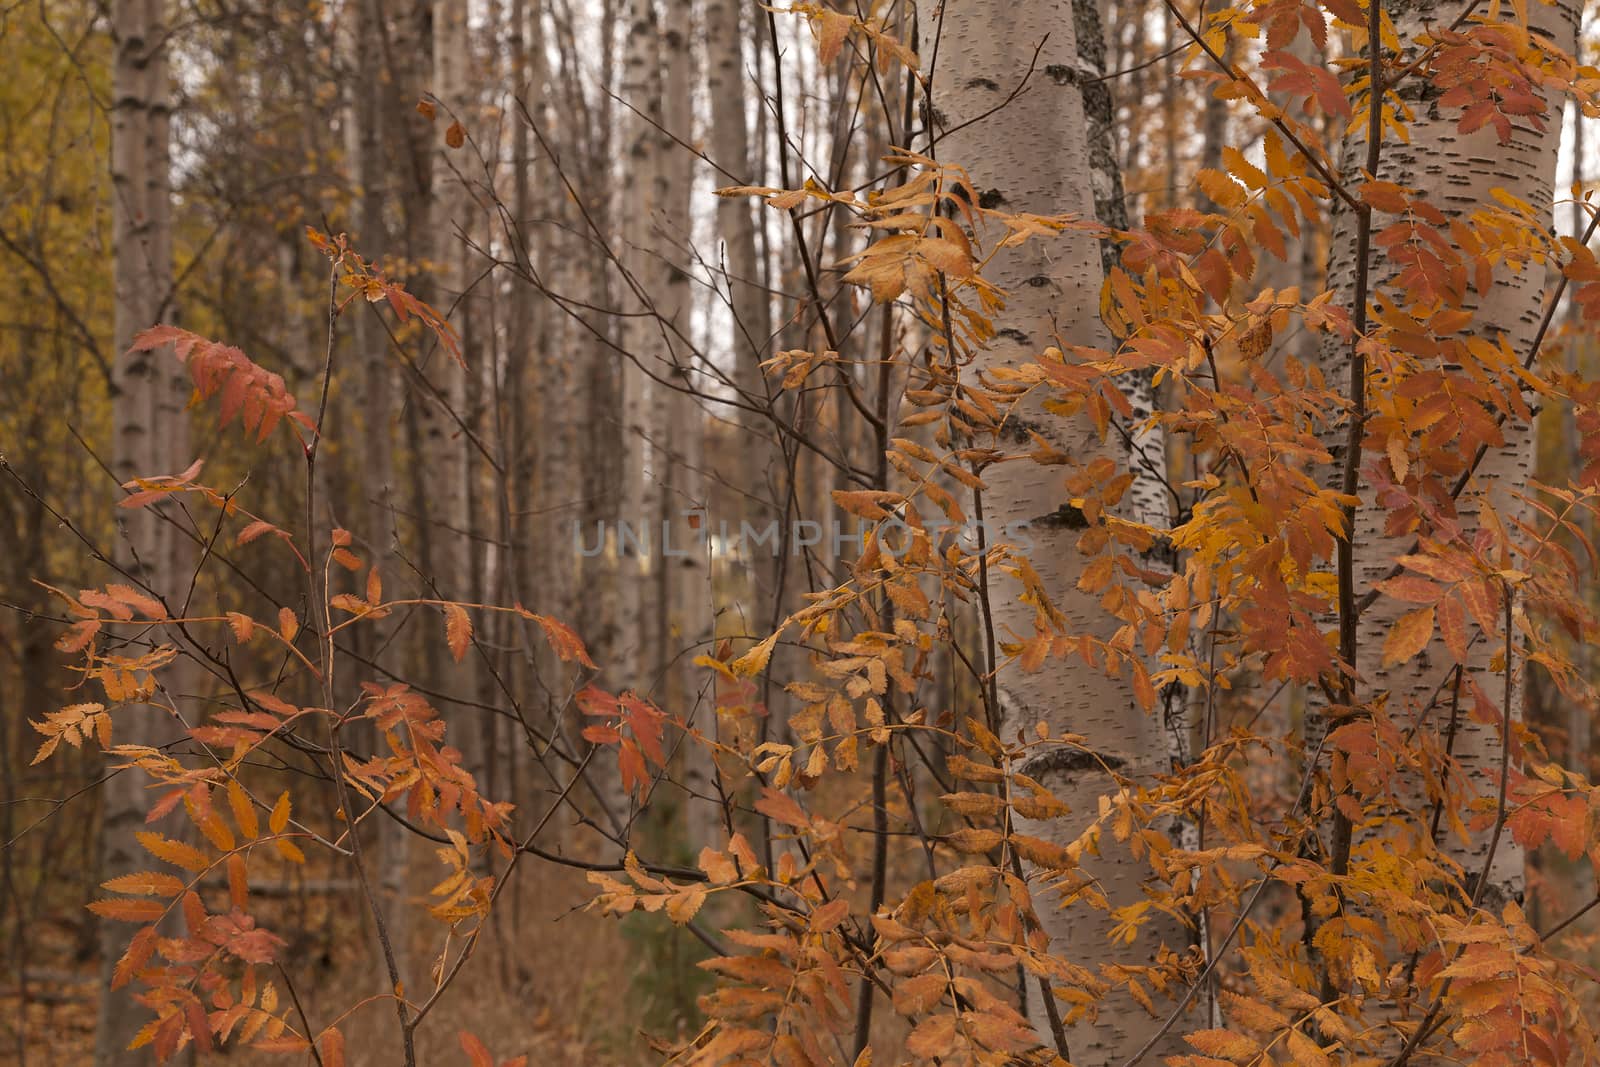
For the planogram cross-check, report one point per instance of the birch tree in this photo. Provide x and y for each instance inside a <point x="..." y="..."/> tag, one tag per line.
<point x="150" y="438"/>
<point x="1453" y="173"/>
<point x="1032" y="155"/>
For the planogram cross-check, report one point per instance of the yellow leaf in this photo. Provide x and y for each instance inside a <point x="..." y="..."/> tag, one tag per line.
<point x="280" y="814"/>
<point x="1224" y="1044"/>
<point x="973" y="804"/>
<point x="754" y="661"/>
<point x="973" y="839"/>
<point x="681" y="907"/>
<point x="1409" y="636"/>
<point x="244" y="812"/>
<point x="1241" y="168"/>
<point x="288" y="625"/>
<point x="1305" y="1051"/>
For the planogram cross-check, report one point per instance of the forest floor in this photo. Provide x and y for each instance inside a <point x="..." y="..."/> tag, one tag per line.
<point x="552" y="983"/>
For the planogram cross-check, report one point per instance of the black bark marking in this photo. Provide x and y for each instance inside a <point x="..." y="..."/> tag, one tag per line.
<point x="1069" y="761"/>
<point x="1066" y="517"/>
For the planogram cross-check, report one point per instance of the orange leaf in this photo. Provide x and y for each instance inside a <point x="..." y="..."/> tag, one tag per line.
<point x="253" y="531"/>
<point x="280" y="814"/>
<point x="1409" y="636"/>
<point x="146" y="884"/>
<point x="174" y="852"/>
<point x="238" y="881"/>
<point x="129" y="911"/>
<point x="331" y="1045"/>
<point x="243" y="626"/>
<point x="457" y="630"/>
<point x="244" y="812"/>
<point x="476" y="1051"/>
<point x="565" y="642"/>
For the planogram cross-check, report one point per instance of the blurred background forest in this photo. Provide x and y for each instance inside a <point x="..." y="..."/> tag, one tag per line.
<point x="542" y="172"/>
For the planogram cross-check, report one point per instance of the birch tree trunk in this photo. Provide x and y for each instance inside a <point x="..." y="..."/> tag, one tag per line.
<point x="448" y="410"/>
<point x="444" y="448"/>
<point x="150" y="433"/>
<point x="601" y="438"/>
<point x="757" y="466"/>
<point x="688" y="591"/>
<point x="641" y="335"/>
<point x="638" y="524"/>
<point x="1456" y="172"/>
<point x="1033" y="155"/>
<point x="1579" y="713"/>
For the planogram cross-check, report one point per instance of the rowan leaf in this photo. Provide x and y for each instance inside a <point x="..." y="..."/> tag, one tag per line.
<point x="755" y="660"/>
<point x="146" y="883"/>
<point x="719" y="866"/>
<point x="477" y="1052"/>
<point x="279" y="819"/>
<point x="457" y="630"/>
<point x="244" y="810"/>
<point x="331" y="1046"/>
<point x="1409" y="636"/>
<point x="176" y="853"/>
<point x="128" y="910"/>
<point x="920" y="994"/>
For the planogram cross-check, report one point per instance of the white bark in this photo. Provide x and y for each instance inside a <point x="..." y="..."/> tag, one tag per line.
<point x="1033" y="155"/>
<point x="1457" y="172"/>
<point x="150" y="432"/>
<point x="444" y="447"/>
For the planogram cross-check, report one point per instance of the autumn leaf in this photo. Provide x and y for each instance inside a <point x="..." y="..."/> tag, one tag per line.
<point x="457" y="630"/>
<point x="244" y="811"/>
<point x="1409" y="637"/>
<point x="920" y="994"/>
<point x="755" y="660"/>
<point x="934" y="1036"/>
<point x="174" y="852"/>
<point x="719" y="867"/>
<point x="477" y="1052"/>
<point x="331" y="1046"/>
<point x="129" y="911"/>
<point x="564" y="641"/>
<point x="243" y="626"/>
<point x="146" y="883"/>
<point x="253" y="531"/>
<point x="279" y="819"/>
